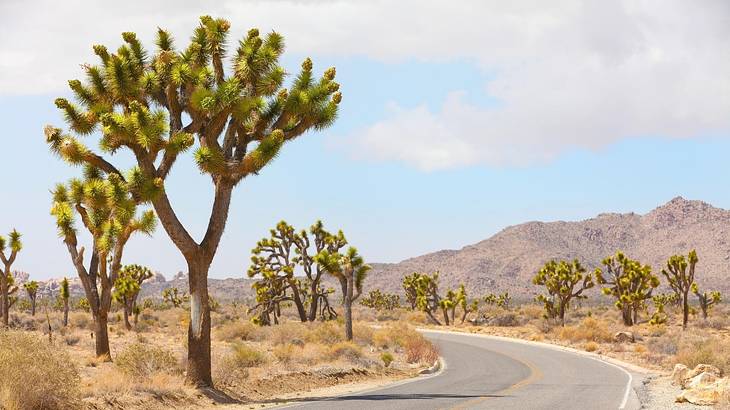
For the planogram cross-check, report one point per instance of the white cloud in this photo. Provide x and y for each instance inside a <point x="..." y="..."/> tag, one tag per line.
<point x="568" y="73"/>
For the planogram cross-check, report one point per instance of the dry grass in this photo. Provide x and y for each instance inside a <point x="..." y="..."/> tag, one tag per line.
<point x="35" y="375"/>
<point x="713" y="350"/>
<point x="140" y="360"/>
<point x="589" y="330"/>
<point x="239" y="331"/>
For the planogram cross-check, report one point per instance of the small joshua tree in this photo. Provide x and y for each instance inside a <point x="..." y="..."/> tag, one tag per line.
<point x="350" y="269"/>
<point x="31" y="288"/>
<point x="564" y="281"/>
<point x="448" y="305"/>
<point x="13" y="245"/>
<point x="680" y="274"/>
<point x="65" y="293"/>
<point x="127" y="287"/>
<point x="174" y="297"/>
<point x="466" y="306"/>
<point x="422" y="293"/>
<point x="381" y="301"/>
<point x="707" y="299"/>
<point x="660" y="301"/>
<point x="108" y="211"/>
<point x="502" y="300"/>
<point x="630" y="282"/>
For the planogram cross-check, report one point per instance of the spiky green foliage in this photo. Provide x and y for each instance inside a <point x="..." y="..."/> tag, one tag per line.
<point x="380" y="300"/>
<point x="224" y="102"/>
<point x="462" y="302"/>
<point x="680" y="274"/>
<point x="127" y="287"/>
<point x="9" y="249"/>
<point x="564" y="281"/>
<point x="174" y="297"/>
<point x="274" y="261"/>
<point x="351" y="270"/>
<point x="659" y="317"/>
<point x="630" y="282"/>
<point x="65" y="294"/>
<point x="706" y="299"/>
<point x="422" y="293"/>
<point x="501" y="300"/>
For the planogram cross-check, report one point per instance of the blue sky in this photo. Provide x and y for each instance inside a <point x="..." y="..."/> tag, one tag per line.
<point x="437" y="145"/>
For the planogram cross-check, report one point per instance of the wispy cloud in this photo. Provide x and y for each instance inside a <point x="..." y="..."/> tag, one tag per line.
<point x="568" y="74"/>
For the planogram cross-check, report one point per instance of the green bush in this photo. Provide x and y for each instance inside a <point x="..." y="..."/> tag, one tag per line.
<point x="387" y="358"/>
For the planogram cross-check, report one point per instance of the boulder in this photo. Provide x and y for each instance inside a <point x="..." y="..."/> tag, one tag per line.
<point x="700" y="380"/>
<point x="706" y="394"/>
<point x="679" y="374"/>
<point x="624" y="337"/>
<point x="704" y="368"/>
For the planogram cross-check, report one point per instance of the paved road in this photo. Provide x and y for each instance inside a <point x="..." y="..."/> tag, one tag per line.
<point x="485" y="373"/>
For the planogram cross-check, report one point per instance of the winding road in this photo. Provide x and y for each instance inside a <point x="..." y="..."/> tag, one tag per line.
<point x="498" y="373"/>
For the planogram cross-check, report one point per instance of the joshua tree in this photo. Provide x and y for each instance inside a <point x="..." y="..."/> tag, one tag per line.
<point x="270" y="292"/>
<point x="707" y="299"/>
<point x="31" y="288"/>
<point x="108" y="211"/>
<point x="381" y="301"/>
<point x="502" y="300"/>
<point x="564" y="281"/>
<point x="464" y="304"/>
<point x="680" y="274"/>
<point x="281" y="254"/>
<point x="630" y="282"/>
<point x="127" y="287"/>
<point x="421" y="292"/>
<point x="174" y="297"/>
<point x="65" y="294"/>
<point x="660" y="301"/>
<point x="14" y="245"/>
<point x="448" y="305"/>
<point x="350" y="269"/>
<point x="158" y="106"/>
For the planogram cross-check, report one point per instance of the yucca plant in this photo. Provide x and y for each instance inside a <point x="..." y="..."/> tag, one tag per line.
<point x="158" y="105"/>
<point x="13" y="245"/>
<point x="127" y="287"/>
<point x="350" y="270"/>
<point x="707" y="299"/>
<point x="31" y="289"/>
<point x="108" y="211"/>
<point x="422" y="293"/>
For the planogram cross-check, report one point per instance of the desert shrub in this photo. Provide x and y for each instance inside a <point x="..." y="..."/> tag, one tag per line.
<point x="531" y="312"/>
<point x="141" y="360"/>
<point x="589" y="330"/>
<point x="666" y="345"/>
<point x="387" y="358"/>
<point x="506" y="319"/>
<point x="313" y="353"/>
<point x="362" y="334"/>
<point x="286" y="352"/>
<point x="716" y="322"/>
<point x="327" y="333"/>
<point x="35" y="375"/>
<point x="286" y="332"/>
<point x="713" y="350"/>
<point x="420" y="350"/>
<point x="246" y="356"/>
<point x="72" y="339"/>
<point x="591" y="346"/>
<point x="346" y="350"/>
<point x="238" y="331"/>
<point x="415" y="316"/>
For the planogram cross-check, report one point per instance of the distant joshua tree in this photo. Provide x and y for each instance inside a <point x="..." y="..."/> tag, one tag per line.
<point x="31" y="288"/>
<point x="707" y="299"/>
<point x="14" y="245"/>
<point x="174" y="297"/>
<point x="630" y="282"/>
<point x="680" y="274"/>
<point x="564" y="281"/>
<point x="127" y="287"/>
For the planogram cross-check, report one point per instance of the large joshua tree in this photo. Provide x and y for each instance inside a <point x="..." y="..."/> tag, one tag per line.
<point x="680" y="274"/>
<point x="127" y="287"/>
<point x="13" y="245"/>
<point x="350" y="269"/>
<point x="109" y="213"/>
<point x="158" y="106"/>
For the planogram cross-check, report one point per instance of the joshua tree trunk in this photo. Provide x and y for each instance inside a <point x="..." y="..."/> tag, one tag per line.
<point x="65" y="312"/>
<point x="314" y="302"/>
<point x="685" y="309"/>
<point x="298" y="300"/>
<point x="561" y="313"/>
<point x="101" y="335"/>
<point x="5" y="307"/>
<point x="430" y="315"/>
<point x="446" y="316"/>
<point x="348" y="307"/>
<point x="199" y="328"/>
<point x="32" y="306"/>
<point x="626" y="315"/>
<point x="127" y="325"/>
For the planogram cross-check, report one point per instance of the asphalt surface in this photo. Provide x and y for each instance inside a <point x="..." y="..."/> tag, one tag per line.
<point x="485" y="373"/>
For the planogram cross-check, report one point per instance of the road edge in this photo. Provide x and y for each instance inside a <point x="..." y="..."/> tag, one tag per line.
<point x="631" y="397"/>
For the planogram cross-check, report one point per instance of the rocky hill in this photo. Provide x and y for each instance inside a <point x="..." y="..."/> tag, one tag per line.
<point x="509" y="259"/>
